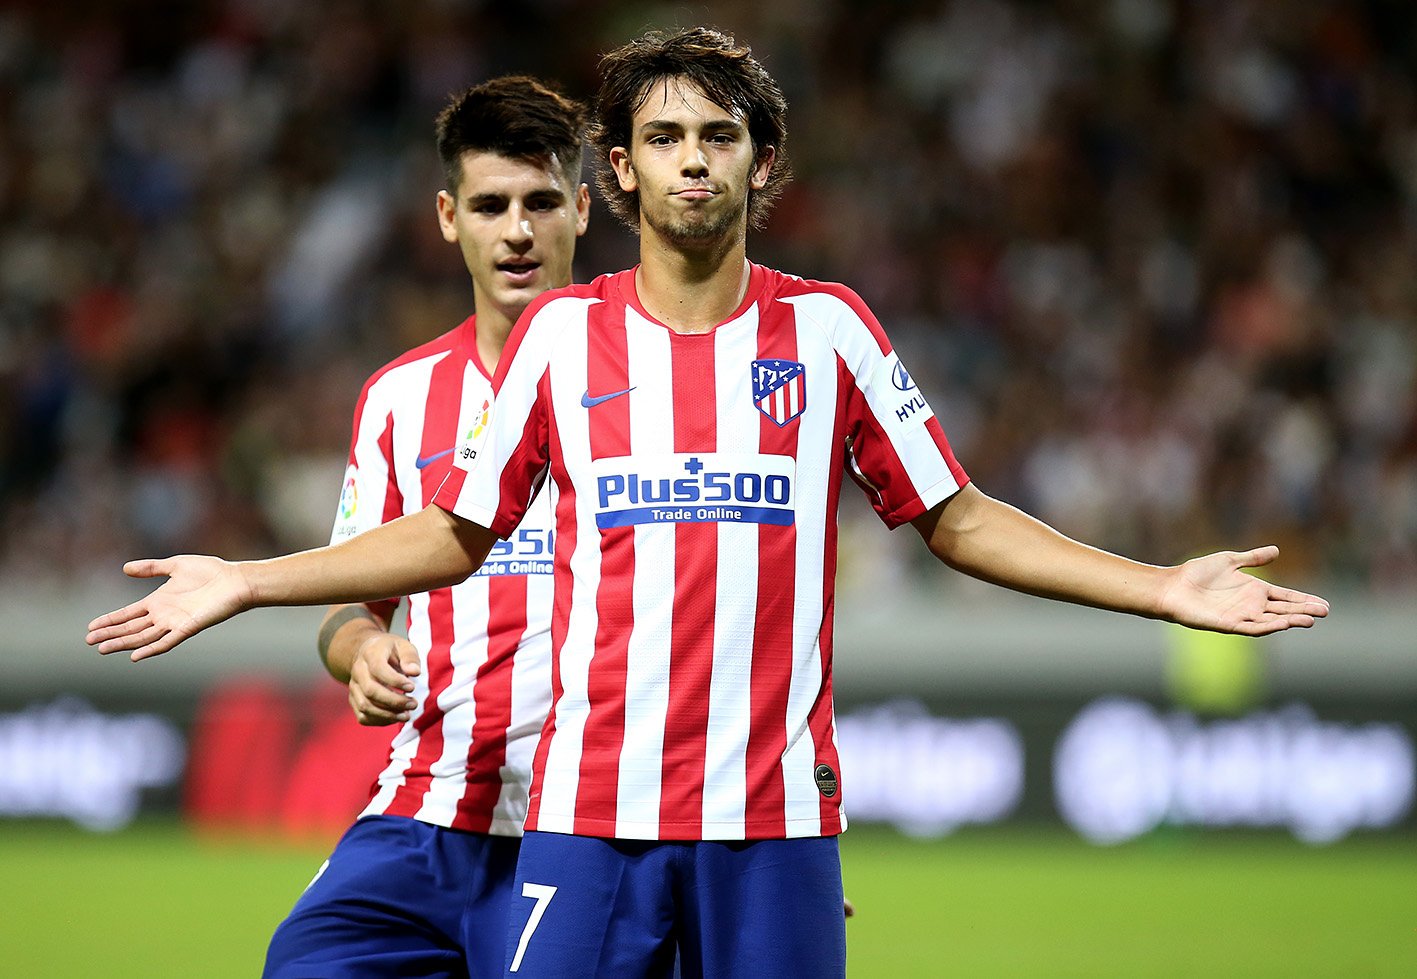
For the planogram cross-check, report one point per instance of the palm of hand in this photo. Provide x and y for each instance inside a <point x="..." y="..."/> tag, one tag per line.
<point x="1214" y="592"/>
<point x="200" y="591"/>
<point x="194" y="596"/>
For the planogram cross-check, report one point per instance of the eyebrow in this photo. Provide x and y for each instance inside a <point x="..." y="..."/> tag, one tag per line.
<point x="541" y="193"/>
<point x="712" y="125"/>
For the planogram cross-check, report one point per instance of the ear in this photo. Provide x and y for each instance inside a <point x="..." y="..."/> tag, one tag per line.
<point x="447" y="211"/>
<point x="582" y="209"/>
<point x="624" y="169"/>
<point x="762" y="168"/>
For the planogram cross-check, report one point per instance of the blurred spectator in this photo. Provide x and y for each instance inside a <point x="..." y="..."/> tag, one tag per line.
<point x="1152" y="260"/>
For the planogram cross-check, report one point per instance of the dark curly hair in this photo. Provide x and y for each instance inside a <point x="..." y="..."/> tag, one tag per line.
<point x="725" y="71"/>
<point x="515" y="116"/>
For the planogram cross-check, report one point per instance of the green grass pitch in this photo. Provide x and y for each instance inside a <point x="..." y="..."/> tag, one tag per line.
<point x="155" y="901"/>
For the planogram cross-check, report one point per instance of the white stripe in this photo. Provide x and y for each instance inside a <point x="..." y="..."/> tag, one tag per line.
<point x="731" y="683"/>
<point x="563" y="757"/>
<point x="814" y="444"/>
<point x="402" y="392"/>
<point x="647" y="655"/>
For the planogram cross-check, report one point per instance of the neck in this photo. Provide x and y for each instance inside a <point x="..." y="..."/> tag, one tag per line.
<point x="691" y="289"/>
<point x="493" y="328"/>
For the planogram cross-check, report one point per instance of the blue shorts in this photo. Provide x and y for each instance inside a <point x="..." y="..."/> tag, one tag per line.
<point x="401" y="898"/>
<point x="586" y="907"/>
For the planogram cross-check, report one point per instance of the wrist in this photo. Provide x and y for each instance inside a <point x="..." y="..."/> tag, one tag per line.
<point x="249" y="590"/>
<point x="1163" y="603"/>
<point x="342" y="635"/>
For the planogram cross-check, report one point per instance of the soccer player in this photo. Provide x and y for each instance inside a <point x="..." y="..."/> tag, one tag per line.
<point x="693" y="419"/>
<point x="422" y="882"/>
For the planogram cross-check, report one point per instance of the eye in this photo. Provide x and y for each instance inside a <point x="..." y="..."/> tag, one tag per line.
<point x="488" y="207"/>
<point x="661" y="140"/>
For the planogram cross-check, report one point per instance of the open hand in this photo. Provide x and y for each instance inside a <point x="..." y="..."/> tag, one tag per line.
<point x="200" y="591"/>
<point x="1213" y="592"/>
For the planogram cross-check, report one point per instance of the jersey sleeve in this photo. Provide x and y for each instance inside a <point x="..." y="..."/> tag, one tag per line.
<point x="896" y="448"/>
<point x="500" y="465"/>
<point x="370" y="495"/>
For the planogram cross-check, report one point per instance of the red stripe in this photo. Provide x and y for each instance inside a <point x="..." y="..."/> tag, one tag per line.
<point x="695" y="598"/>
<point x="765" y="814"/>
<point x="448" y="493"/>
<point x="492" y="697"/>
<point x="822" y="719"/>
<point x="525" y="463"/>
<point x="440" y="421"/>
<point x="607" y="369"/>
<point x="359" y="406"/>
<point x="937" y="432"/>
<point x="393" y="499"/>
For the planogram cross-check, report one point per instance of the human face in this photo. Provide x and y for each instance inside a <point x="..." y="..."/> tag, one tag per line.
<point x="516" y="224"/>
<point x="692" y="163"/>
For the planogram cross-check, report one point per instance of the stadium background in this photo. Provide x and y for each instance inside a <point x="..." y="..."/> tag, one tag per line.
<point x="1150" y="260"/>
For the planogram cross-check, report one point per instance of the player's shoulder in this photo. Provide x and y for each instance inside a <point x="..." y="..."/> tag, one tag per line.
<point x="786" y="285"/>
<point x="438" y="347"/>
<point x="552" y="303"/>
<point x="833" y="305"/>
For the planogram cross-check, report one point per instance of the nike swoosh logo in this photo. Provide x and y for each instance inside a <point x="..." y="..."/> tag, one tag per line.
<point x="422" y="462"/>
<point x="588" y="402"/>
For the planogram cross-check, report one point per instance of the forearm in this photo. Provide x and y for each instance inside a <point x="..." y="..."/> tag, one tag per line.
<point x="421" y="552"/>
<point x="998" y="543"/>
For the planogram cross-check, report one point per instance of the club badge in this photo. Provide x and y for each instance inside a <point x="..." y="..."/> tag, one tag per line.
<point x="780" y="389"/>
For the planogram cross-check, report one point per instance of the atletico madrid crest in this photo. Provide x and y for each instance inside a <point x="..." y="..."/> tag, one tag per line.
<point x="780" y="389"/>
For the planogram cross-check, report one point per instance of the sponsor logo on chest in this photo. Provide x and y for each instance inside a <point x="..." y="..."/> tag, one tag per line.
<point x="704" y="487"/>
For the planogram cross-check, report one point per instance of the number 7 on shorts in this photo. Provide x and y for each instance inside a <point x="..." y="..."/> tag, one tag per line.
<point x="542" y="893"/>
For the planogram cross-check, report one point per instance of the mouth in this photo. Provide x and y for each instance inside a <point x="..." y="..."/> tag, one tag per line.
<point x="519" y="272"/>
<point x="697" y="193"/>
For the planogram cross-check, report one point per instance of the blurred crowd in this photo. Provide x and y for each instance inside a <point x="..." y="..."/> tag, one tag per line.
<point x="1152" y="261"/>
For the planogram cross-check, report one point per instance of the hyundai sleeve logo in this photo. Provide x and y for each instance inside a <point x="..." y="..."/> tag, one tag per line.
<point x="901" y="378"/>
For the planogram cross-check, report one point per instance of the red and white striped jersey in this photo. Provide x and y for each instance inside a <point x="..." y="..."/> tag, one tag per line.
<point x="695" y="481"/>
<point x="463" y="759"/>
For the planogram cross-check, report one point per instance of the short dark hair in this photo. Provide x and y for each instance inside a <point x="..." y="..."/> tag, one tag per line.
<point x="725" y="71"/>
<point x="515" y="116"/>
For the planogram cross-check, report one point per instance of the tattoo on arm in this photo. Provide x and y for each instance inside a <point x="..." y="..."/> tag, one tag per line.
<point x="335" y="622"/>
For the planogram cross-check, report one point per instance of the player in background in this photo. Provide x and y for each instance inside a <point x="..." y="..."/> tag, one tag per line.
<point x="421" y="883"/>
<point x="694" y="418"/>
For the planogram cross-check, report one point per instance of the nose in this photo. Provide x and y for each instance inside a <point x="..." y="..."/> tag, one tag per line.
<point x="517" y="230"/>
<point x="694" y="162"/>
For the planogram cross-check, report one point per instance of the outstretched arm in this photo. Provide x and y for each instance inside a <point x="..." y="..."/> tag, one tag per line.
<point x="983" y="537"/>
<point x="425" y="550"/>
